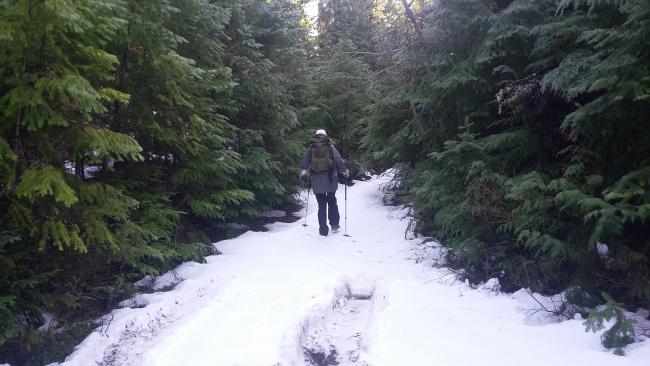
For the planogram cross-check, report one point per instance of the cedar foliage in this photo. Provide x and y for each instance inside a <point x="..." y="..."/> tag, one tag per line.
<point x="128" y="128"/>
<point x="523" y="124"/>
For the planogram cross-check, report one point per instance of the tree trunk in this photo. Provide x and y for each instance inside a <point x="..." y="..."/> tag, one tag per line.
<point x="411" y="16"/>
<point x="80" y="168"/>
<point x="121" y="73"/>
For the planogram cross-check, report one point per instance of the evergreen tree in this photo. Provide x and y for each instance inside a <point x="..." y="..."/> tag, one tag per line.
<point x="340" y="69"/>
<point x="54" y="70"/>
<point x="129" y="128"/>
<point x="267" y="56"/>
<point x="521" y="124"/>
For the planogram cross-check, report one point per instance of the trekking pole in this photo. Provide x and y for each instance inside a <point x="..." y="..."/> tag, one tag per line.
<point x="346" y="209"/>
<point x="306" y="206"/>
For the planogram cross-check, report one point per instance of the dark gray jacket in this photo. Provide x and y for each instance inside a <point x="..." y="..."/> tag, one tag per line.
<point x="324" y="182"/>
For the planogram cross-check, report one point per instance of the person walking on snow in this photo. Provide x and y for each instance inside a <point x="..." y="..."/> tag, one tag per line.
<point x="324" y="161"/>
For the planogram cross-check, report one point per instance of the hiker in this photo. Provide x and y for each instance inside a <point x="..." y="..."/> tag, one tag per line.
<point x="323" y="161"/>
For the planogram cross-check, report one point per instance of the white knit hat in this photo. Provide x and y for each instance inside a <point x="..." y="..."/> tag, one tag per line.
<point x="320" y="132"/>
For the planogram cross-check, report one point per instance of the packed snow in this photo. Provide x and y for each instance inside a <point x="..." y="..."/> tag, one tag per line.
<point x="379" y="297"/>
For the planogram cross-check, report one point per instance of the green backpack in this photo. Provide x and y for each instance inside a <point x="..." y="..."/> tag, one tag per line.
<point x="321" y="154"/>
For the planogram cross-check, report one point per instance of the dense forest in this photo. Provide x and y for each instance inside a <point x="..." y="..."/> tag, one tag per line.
<point x="132" y="131"/>
<point x="129" y="130"/>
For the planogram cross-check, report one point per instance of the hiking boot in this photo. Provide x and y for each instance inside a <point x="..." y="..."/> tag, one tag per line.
<point x="323" y="230"/>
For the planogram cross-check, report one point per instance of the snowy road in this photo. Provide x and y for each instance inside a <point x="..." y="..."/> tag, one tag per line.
<point x="290" y="297"/>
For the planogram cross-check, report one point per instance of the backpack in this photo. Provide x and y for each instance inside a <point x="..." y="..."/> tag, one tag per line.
<point x="321" y="154"/>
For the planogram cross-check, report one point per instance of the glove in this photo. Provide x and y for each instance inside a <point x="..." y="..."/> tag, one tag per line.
<point x="346" y="173"/>
<point x="304" y="173"/>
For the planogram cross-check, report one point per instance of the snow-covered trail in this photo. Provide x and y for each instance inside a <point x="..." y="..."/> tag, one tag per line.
<point x="271" y="294"/>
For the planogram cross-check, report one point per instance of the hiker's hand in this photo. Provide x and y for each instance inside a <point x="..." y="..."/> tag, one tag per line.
<point x="304" y="173"/>
<point x="346" y="173"/>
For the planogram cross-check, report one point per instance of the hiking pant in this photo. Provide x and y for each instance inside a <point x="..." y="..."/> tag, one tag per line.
<point x="325" y="200"/>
